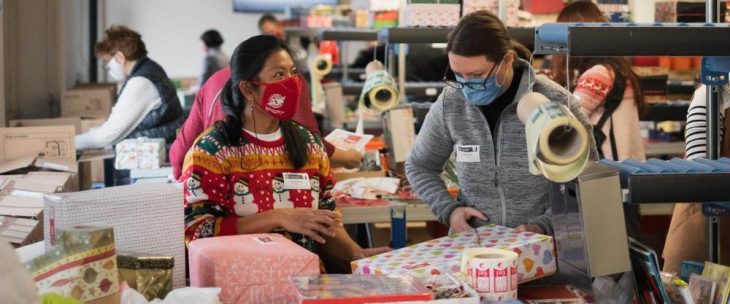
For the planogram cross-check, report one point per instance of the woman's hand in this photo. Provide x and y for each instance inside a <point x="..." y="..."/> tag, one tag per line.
<point x="349" y="159"/>
<point x="530" y="228"/>
<point x="368" y="252"/>
<point x="458" y="221"/>
<point x="315" y="224"/>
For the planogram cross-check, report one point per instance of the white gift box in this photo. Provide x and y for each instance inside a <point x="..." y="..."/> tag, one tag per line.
<point x="140" y="153"/>
<point x="146" y="218"/>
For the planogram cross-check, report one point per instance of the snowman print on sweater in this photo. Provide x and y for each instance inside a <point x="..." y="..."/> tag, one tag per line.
<point x="195" y="189"/>
<point x="243" y="198"/>
<point x="281" y="195"/>
<point x="315" y="192"/>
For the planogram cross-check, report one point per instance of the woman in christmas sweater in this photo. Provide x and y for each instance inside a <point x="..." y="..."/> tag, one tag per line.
<point x="254" y="172"/>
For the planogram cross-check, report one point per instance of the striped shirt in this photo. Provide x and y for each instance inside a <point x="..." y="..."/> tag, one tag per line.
<point x="695" y="133"/>
<point x="138" y="98"/>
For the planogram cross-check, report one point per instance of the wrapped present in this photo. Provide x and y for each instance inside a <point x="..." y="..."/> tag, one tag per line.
<point x="146" y="218"/>
<point x="253" y="268"/>
<point x="511" y="9"/>
<point x="83" y="266"/>
<point x="353" y="289"/>
<point x="432" y="14"/>
<point x="140" y="153"/>
<point x="443" y="255"/>
<point x="149" y="274"/>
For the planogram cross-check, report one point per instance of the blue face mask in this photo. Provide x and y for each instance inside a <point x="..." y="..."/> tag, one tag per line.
<point x="484" y="97"/>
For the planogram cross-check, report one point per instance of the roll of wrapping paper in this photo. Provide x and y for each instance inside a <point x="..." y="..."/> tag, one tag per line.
<point x="320" y="66"/>
<point x="150" y="275"/>
<point x="557" y="142"/>
<point x="380" y="92"/>
<point x="491" y="272"/>
<point x="83" y="265"/>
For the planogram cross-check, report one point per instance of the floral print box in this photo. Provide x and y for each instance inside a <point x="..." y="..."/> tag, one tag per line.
<point x="443" y="255"/>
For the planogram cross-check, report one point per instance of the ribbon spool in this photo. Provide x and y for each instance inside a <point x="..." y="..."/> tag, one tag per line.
<point x="380" y="92"/>
<point x="319" y="67"/>
<point x="491" y="272"/>
<point x="557" y="142"/>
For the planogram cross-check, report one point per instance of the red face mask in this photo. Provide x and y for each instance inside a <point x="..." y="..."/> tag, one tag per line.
<point x="281" y="98"/>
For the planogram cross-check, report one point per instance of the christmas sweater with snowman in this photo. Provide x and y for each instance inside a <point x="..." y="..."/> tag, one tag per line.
<point x="225" y="182"/>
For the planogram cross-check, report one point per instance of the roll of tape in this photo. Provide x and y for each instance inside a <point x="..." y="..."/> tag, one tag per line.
<point x="491" y="272"/>
<point x="557" y="142"/>
<point x="319" y="67"/>
<point x="380" y="92"/>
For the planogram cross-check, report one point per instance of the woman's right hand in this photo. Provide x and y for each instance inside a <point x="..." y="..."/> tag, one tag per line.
<point x="315" y="224"/>
<point x="458" y="221"/>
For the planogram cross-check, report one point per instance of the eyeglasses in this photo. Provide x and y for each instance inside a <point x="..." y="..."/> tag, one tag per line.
<point x="473" y="85"/>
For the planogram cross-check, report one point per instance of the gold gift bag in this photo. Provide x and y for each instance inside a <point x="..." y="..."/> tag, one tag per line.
<point x="150" y="275"/>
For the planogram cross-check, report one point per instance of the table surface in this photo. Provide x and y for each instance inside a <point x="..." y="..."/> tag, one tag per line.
<point x="415" y="211"/>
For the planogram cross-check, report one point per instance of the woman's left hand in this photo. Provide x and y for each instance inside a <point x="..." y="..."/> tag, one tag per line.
<point x="530" y="228"/>
<point x="368" y="252"/>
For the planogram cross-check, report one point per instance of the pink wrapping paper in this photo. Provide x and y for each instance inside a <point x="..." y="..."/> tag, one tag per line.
<point x="252" y="268"/>
<point x="443" y="255"/>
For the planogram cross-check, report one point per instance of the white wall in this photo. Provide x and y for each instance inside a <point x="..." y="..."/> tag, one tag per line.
<point x="171" y="29"/>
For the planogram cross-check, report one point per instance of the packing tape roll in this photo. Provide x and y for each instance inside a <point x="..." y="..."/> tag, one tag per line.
<point x="380" y="92"/>
<point x="491" y="272"/>
<point x="319" y="67"/>
<point x="557" y="142"/>
<point x="83" y="265"/>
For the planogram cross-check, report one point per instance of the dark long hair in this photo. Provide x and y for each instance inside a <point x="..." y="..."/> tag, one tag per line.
<point x="482" y="33"/>
<point x="247" y="62"/>
<point x="587" y="11"/>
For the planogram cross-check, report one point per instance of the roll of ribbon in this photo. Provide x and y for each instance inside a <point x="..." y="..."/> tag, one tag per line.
<point x="491" y="272"/>
<point x="379" y="93"/>
<point x="319" y="67"/>
<point x="83" y="266"/>
<point x="557" y="142"/>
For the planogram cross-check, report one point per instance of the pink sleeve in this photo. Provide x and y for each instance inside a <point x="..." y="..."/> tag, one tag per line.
<point x="189" y="131"/>
<point x="593" y="88"/>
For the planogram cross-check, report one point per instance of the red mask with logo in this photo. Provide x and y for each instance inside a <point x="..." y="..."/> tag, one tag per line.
<point x="281" y="99"/>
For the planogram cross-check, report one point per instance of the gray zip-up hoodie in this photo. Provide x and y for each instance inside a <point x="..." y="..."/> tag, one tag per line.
<point x="499" y="184"/>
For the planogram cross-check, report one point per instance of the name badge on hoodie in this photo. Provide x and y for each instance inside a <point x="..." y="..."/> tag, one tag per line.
<point x="467" y="153"/>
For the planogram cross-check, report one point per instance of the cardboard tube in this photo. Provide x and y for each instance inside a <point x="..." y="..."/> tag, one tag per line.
<point x="380" y="92"/>
<point x="557" y="142"/>
<point x="319" y="67"/>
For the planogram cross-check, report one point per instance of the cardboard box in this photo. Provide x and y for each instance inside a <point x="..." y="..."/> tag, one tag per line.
<point x="443" y="255"/>
<point x="88" y="100"/>
<point x="146" y="218"/>
<point x="251" y="268"/>
<point x="55" y="143"/>
<point x="43" y="122"/>
<point x="21" y="231"/>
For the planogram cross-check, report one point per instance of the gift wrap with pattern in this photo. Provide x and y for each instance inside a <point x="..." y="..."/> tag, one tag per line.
<point x="82" y="267"/>
<point x="251" y="268"/>
<point x="140" y="153"/>
<point x="443" y="255"/>
<point x="146" y="218"/>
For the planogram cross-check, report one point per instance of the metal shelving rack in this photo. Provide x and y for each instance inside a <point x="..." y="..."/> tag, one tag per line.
<point x="601" y="39"/>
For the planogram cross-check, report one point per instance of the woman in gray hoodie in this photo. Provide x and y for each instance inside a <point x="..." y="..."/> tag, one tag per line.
<point x="475" y="118"/>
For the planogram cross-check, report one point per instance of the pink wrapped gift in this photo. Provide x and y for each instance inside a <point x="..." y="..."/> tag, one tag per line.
<point x="252" y="268"/>
<point x="443" y="255"/>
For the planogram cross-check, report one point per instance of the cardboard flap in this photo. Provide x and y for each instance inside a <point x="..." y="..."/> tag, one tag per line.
<point x="16" y="164"/>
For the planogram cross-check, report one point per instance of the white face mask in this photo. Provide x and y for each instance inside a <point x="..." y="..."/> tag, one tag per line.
<point x="115" y="69"/>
